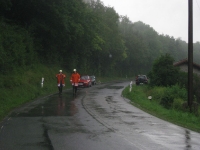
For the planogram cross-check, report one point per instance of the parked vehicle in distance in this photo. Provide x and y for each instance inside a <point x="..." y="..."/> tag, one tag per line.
<point x="141" y="79"/>
<point x="85" y="81"/>
<point x="93" y="79"/>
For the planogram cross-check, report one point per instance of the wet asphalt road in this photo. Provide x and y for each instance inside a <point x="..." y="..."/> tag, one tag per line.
<point x="98" y="118"/>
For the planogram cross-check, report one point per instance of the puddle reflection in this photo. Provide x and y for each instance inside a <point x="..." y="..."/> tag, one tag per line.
<point x="55" y="105"/>
<point x="73" y="108"/>
<point x="187" y="140"/>
<point x="60" y="106"/>
<point x="69" y="109"/>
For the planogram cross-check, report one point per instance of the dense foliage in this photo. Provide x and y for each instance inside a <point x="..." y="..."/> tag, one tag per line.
<point x="91" y="37"/>
<point x="166" y="103"/>
<point x="163" y="72"/>
<point x="74" y="34"/>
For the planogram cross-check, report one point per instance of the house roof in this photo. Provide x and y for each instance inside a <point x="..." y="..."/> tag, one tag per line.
<point x="185" y="61"/>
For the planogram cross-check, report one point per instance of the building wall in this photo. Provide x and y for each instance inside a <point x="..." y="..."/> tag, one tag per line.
<point x="196" y="71"/>
<point x="184" y="67"/>
<point x="87" y="1"/>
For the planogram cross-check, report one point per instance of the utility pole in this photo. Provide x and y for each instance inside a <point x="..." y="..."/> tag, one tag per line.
<point x="190" y="53"/>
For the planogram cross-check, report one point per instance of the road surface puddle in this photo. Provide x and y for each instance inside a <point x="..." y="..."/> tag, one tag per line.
<point x="111" y="87"/>
<point x="55" y="105"/>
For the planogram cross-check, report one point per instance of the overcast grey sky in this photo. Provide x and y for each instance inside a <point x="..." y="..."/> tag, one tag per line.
<point x="168" y="17"/>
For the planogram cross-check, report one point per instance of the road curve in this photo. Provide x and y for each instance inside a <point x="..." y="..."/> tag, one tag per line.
<point x="97" y="118"/>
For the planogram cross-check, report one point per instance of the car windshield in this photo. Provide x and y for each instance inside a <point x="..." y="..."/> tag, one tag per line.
<point x="92" y="77"/>
<point x="84" y="77"/>
<point x="142" y="77"/>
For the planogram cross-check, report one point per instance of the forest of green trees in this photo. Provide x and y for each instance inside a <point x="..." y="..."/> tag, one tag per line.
<point x="74" y="34"/>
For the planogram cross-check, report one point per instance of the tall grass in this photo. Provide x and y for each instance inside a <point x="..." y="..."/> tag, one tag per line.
<point x="24" y="85"/>
<point x="139" y="98"/>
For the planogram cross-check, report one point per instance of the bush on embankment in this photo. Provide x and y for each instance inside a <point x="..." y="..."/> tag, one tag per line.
<point x="24" y="85"/>
<point x="167" y="103"/>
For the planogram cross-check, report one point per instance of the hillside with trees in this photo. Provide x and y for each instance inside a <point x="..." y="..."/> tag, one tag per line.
<point x="74" y="34"/>
<point x="39" y="37"/>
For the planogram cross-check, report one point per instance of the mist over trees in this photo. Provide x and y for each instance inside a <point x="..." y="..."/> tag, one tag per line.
<point x="91" y="37"/>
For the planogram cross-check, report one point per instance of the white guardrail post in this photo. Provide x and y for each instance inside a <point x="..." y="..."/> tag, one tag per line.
<point x="42" y="82"/>
<point x="130" y="86"/>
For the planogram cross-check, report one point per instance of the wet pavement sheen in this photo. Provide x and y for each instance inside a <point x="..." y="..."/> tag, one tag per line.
<point x="56" y="105"/>
<point x="96" y="118"/>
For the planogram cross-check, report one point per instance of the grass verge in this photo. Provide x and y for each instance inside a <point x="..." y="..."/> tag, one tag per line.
<point x="24" y="85"/>
<point x="139" y="98"/>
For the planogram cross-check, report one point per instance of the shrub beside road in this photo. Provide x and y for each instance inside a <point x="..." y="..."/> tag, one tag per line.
<point x="167" y="103"/>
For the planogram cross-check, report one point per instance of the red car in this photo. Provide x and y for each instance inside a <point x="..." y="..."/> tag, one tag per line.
<point x="85" y="81"/>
